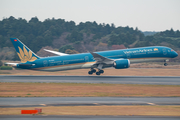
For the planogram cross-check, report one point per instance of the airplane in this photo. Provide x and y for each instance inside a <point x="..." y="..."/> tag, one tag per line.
<point x="95" y="61"/>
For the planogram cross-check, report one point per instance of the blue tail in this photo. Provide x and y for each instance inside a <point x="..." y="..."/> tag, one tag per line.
<point x="24" y="53"/>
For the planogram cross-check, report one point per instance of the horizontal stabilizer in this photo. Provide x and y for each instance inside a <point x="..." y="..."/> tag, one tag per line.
<point x="55" y="52"/>
<point x="12" y="64"/>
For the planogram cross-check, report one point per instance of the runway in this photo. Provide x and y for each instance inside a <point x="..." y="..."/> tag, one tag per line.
<point x="86" y="101"/>
<point x="75" y="101"/>
<point x="157" y="80"/>
<point x="89" y="101"/>
<point x="80" y="117"/>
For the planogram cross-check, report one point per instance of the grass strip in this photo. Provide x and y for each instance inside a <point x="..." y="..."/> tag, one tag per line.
<point x="86" y="90"/>
<point x="100" y="110"/>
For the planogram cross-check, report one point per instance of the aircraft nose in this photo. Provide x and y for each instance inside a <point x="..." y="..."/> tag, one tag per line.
<point x="174" y="54"/>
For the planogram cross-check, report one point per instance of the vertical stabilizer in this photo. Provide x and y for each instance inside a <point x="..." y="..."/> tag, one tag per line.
<point x="24" y="53"/>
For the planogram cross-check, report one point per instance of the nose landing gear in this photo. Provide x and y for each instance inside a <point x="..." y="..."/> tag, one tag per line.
<point x="165" y="64"/>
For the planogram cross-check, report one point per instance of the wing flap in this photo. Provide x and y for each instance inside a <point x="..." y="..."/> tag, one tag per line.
<point x="101" y="61"/>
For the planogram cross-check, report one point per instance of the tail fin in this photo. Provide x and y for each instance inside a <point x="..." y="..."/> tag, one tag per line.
<point x="24" y="53"/>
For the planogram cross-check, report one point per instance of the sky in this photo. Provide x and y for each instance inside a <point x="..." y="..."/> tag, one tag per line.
<point x="146" y="15"/>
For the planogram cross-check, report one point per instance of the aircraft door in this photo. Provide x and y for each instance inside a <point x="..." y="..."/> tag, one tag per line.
<point x="65" y="62"/>
<point x="169" y="52"/>
<point x="86" y="59"/>
<point x="128" y="55"/>
<point x="164" y="51"/>
<point x="45" y="63"/>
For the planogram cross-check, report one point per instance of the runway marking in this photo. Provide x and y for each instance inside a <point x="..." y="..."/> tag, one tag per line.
<point x="157" y="80"/>
<point x="95" y="103"/>
<point x="43" y="104"/>
<point x="151" y="103"/>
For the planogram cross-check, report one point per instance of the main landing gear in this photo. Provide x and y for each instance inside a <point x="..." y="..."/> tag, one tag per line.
<point x="100" y="72"/>
<point x="94" y="71"/>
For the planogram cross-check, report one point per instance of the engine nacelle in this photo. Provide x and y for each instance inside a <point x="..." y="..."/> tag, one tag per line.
<point x="122" y="63"/>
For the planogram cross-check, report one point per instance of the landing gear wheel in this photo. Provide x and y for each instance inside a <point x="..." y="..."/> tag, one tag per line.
<point x="165" y="64"/>
<point x="93" y="70"/>
<point x="98" y="73"/>
<point x="90" y="72"/>
<point x="101" y="71"/>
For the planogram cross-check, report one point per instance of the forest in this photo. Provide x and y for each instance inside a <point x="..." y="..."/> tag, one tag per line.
<point x="67" y="37"/>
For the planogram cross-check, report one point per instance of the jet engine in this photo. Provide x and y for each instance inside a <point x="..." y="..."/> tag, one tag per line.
<point x="122" y="63"/>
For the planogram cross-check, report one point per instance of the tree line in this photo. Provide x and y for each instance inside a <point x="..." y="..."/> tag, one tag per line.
<point x="66" y="36"/>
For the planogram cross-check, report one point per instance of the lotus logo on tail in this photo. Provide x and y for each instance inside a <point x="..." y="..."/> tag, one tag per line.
<point x="25" y="56"/>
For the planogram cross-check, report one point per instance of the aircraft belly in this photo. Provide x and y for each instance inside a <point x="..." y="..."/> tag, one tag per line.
<point x="146" y="60"/>
<point x="68" y="67"/>
<point x="59" y="68"/>
<point x="89" y="64"/>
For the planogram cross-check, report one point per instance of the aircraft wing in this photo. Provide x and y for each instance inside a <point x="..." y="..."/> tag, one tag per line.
<point x="101" y="61"/>
<point x="55" y="52"/>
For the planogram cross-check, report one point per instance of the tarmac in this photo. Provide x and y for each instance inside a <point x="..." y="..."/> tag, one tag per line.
<point x="89" y="101"/>
<point x="156" y="80"/>
<point x="85" y="101"/>
<point x="80" y="117"/>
